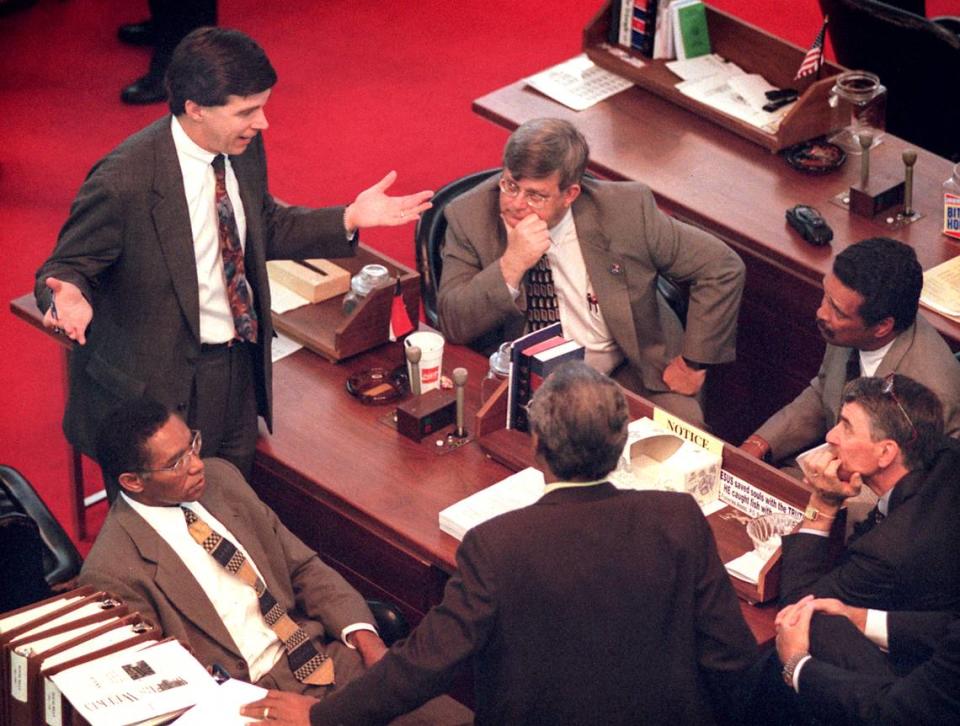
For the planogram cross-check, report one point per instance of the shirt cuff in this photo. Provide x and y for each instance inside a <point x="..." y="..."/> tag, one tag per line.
<point x="817" y="532"/>
<point x="514" y="293"/>
<point x="796" y="672"/>
<point x="876" y="629"/>
<point x="353" y="629"/>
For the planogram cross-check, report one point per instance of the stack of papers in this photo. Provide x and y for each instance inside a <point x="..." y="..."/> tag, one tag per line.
<point x="941" y="288"/>
<point x="519" y="490"/>
<point x="578" y="83"/>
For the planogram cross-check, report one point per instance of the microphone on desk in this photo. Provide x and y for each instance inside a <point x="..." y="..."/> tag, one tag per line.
<point x="909" y="159"/>
<point x="459" y="381"/>
<point x="413" y="356"/>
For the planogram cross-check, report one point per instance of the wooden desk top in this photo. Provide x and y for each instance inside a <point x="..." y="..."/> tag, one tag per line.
<point x="704" y="174"/>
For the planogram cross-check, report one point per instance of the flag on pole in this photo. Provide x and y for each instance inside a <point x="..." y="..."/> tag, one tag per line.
<point x="400" y="323"/>
<point x="814" y="57"/>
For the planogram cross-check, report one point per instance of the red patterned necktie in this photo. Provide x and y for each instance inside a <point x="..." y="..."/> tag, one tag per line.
<point x="238" y="292"/>
<point x="542" y="307"/>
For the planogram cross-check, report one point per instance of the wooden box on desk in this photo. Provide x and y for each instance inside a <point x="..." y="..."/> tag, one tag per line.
<point x="325" y="329"/>
<point x="755" y="52"/>
<point x="513" y="449"/>
<point x="316" y="280"/>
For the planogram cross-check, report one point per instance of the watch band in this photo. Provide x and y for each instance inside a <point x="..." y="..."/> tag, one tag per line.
<point x="790" y="666"/>
<point x="813" y="514"/>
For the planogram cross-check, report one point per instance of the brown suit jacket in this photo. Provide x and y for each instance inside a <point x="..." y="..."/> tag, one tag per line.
<point x="625" y="241"/>
<point x="593" y="605"/>
<point x="128" y="246"/>
<point x="131" y="560"/>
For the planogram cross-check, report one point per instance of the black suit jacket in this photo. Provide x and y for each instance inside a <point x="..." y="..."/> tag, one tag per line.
<point x="929" y="694"/>
<point x="907" y="562"/>
<point x="591" y="606"/>
<point x="128" y="246"/>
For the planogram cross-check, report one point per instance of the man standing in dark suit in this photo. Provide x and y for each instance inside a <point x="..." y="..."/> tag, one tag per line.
<point x="594" y="605"/>
<point x="160" y="272"/>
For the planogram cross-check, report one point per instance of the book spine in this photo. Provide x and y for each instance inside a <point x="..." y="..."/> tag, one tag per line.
<point x="643" y="26"/>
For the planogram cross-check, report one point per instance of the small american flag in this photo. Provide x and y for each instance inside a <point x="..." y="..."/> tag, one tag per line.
<point x="814" y="57"/>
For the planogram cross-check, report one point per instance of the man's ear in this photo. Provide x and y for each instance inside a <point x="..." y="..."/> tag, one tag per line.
<point x="570" y="194"/>
<point x="193" y="110"/>
<point x="131" y="482"/>
<point x="883" y="328"/>
<point x="889" y="451"/>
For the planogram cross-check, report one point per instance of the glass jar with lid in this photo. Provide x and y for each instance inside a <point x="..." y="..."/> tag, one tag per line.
<point x="363" y="283"/>
<point x="859" y="101"/>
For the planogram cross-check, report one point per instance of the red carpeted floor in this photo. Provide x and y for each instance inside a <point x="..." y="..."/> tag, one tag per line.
<point x="364" y="87"/>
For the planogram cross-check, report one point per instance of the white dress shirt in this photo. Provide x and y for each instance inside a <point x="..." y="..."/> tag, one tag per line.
<point x="199" y="185"/>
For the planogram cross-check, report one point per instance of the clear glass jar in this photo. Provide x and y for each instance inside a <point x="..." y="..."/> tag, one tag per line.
<point x="499" y="371"/>
<point x="369" y="278"/>
<point x="951" y="204"/>
<point x="859" y="101"/>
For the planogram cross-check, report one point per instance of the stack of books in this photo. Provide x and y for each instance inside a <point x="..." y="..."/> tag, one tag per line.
<point x="532" y="358"/>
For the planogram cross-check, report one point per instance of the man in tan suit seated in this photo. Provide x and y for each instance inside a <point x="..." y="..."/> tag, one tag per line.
<point x="540" y="243"/>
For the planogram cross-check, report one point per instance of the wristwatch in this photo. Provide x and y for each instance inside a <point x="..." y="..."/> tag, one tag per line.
<point x="813" y="514"/>
<point x="790" y="666"/>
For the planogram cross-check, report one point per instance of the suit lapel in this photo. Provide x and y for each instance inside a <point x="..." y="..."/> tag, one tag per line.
<point x="891" y="361"/>
<point x="608" y="277"/>
<point x="255" y="242"/>
<point x="171" y="220"/>
<point x="173" y="578"/>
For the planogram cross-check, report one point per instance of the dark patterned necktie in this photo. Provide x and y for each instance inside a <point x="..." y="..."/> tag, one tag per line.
<point x="542" y="307"/>
<point x="308" y="665"/>
<point x="873" y="518"/>
<point x="238" y="292"/>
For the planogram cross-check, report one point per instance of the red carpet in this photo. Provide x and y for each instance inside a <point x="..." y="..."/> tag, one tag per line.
<point x="364" y="87"/>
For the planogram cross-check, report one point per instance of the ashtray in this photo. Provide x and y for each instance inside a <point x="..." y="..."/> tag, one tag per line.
<point x="815" y="157"/>
<point x="378" y="385"/>
<point x="765" y="532"/>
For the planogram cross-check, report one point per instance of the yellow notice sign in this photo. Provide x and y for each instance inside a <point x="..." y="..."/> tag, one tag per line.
<point x="681" y="428"/>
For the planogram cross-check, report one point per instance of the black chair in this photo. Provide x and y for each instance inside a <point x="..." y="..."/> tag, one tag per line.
<point x="914" y="58"/>
<point x="390" y="621"/>
<point x="35" y="553"/>
<point x="430" y="233"/>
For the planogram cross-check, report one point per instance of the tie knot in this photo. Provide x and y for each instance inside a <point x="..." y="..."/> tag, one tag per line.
<point x="189" y="515"/>
<point x="218" y="165"/>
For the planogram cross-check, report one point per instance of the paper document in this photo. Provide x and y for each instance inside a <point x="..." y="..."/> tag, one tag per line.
<point x="693" y="69"/>
<point x="283" y="299"/>
<point x="222" y="705"/>
<point x="519" y="490"/>
<point x="941" y="287"/>
<point x="747" y="567"/>
<point x="578" y="83"/>
<point x="283" y="346"/>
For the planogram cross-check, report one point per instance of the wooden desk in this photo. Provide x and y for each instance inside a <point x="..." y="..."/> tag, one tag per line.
<point x="710" y="177"/>
<point x="369" y="499"/>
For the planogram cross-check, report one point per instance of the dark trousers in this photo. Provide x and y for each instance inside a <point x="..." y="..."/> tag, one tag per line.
<point x="223" y="403"/>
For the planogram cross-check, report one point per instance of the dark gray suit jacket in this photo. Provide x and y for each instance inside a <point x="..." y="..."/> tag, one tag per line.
<point x="625" y="241"/>
<point x="593" y="605"/>
<point x="128" y="246"/>
<point x="130" y="560"/>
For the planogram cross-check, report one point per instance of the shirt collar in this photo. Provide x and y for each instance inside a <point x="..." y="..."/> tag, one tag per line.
<point x="187" y="147"/>
<point x="571" y="485"/>
<point x="558" y="232"/>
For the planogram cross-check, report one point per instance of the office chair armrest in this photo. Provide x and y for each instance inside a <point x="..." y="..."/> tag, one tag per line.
<point x="390" y="621"/>
<point x="948" y="22"/>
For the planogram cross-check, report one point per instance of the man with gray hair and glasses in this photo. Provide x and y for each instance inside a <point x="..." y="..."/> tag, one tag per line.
<point x="593" y="605"/>
<point x="541" y="243"/>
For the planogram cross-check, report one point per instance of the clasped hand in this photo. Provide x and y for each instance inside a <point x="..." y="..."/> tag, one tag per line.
<point x="527" y="241"/>
<point x="70" y="313"/>
<point x="681" y="378"/>
<point x="823" y="474"/>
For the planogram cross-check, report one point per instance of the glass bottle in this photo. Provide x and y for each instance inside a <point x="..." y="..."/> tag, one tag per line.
<point x="859" y="101"/>
<point x="499" y="370"/>
<point x="951" y="204"/>
<point x="369" y="278"/>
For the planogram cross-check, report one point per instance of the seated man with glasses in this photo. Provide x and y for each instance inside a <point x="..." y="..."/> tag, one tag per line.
<point x="541" y="243"/>
<point x="189" y="545"/>
<point x="882" y="587"/>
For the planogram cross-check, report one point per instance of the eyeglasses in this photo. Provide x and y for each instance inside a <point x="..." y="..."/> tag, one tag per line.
<point x="535" y="200"/>
<point x="183" y="461"/>
<point x="887" y="390"/>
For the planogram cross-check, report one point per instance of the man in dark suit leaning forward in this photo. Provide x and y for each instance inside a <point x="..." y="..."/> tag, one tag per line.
<point x="594" y="605"/>
<point x="160" y="272"/>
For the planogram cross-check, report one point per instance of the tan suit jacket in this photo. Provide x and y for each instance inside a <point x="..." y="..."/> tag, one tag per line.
<point x="131" y="560"/>
<point x="625" y="241"/>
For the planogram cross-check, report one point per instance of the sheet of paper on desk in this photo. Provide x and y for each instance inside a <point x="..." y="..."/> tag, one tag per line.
<point x="704" y="66"/>
<point x="578" y="83"/>
<point x="747" y="567"/>
<point x="941" y="287"/>
<point x="518" y="490"/>
<point x="736" y="94"/>
<point x="282" y="347"/>
<point x="283" y="299"/>
<point x="222" y="705"/>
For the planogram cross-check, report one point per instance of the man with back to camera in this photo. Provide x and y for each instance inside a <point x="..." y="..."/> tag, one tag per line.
<point x="869" y="320"/>
<point x="878" y="607"/>
<point x="160" y="271"/>
<point x="604" y="244"/>
<point x="593" y="605"/>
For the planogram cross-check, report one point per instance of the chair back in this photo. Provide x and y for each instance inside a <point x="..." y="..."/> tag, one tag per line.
<point x="61" y="560"/>
<point x="914" y="58"/>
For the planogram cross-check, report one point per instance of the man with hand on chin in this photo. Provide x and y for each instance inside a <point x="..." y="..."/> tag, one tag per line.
<point x="159" y="274"/>
<point x="540" y="243"/>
